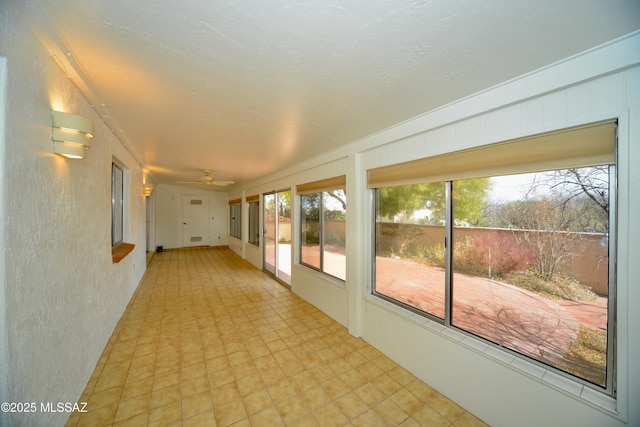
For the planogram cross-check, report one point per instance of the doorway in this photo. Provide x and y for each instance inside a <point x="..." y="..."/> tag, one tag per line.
<point x="277" y="235"/>
<point x="195" y="224"/>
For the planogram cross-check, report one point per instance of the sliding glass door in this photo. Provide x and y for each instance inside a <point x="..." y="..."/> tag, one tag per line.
<point x="277" y="235"/>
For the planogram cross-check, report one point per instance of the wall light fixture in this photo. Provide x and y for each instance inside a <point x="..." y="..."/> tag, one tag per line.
<point x="148" y="189"/>
<point x="71" y="134"/>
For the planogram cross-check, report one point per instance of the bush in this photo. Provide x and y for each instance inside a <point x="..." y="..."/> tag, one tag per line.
<point x="557" y="287"/>
<point x="490" y="256"/>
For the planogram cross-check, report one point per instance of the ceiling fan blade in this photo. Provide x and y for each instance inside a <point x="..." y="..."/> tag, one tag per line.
<point x="222" y="183"/>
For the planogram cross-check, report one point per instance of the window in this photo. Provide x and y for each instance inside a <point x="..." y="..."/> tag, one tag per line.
<point x="512" y="243"/>
<point x="322" y="226"/>
<point x="235" y="216"/>
<point x="117" y="204"/>
<point x="254" y="220"/>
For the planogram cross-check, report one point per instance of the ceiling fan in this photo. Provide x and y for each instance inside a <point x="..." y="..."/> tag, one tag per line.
<point x="207" y="179"/>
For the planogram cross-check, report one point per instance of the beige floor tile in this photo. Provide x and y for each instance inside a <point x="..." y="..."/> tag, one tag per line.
<point x="469" y="420"/>
<point x="323" y="373"/>
<point x="386" y="384"/>
<point x="315" y="397"/>
<point x="335" y="388"/>
<point x="267" y="418"/>
<point x="281" y="390"/>
<point x="291" y="409"/>
<point x="303" y="380"/>
<point x="130" y="407"/>
<point x="426" y="416"/>
<point x="104" y="398"/>
<point x="306" y="421"/>
<point x="369" y="419"/>
<point x="165" y="415"/>
<point x="353" y="378"/>
<point x="370" y="394"/>
<point x="166" y="379"/>
<point x="250" y="384"/>
<point x="225" y="393"/>
<point x="244" y="369"/>
<point x="406" y="400"/>
<point x="221" y="377"/>
<point x="164" y="396"/>
<point x="136" y="388"/>
<point x="409" y="422"/>
<point x="369" y="370"/>
<point x="143" y="372"/>
<point x="445" y="407"/>
<point x="139" y="420"/>
<point x="330" y="415"/>
<point x="196" y="404"/>
<point x="401" y="375"/>
<point x="257" y="401"/>
<point x="351" y="405"/>
<point x="390" y="413"/>
<point x="204" y="419"/>
<point x="193" y="370"/>
<point x="421" y="390"/>
<point x="230" y="413"/>
<point x="99" y="417"/>
<point x="110" y="380"/>
<point x="208" y="340"/>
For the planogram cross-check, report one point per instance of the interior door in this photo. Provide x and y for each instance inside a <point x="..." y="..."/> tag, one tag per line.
<point x="277" y="235"/>
<point x="195" y="224"/>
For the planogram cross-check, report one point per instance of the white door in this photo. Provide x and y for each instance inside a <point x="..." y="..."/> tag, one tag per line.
<point x="195" y="221"/>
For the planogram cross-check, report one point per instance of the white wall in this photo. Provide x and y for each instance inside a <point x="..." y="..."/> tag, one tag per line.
<point x="502" y="390"/>
<point x="62" y="292"/>
<point x="168" y="215"/>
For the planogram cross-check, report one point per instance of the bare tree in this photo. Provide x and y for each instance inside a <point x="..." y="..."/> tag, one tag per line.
<point x="556" y="209"/>
<point x="544" y="228"/>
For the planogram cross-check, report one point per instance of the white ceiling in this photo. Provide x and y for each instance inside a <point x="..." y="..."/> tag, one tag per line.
<point x="246" y="88"/>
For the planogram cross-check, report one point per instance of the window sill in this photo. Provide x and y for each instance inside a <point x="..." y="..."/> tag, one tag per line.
<point x="120" y="251"/>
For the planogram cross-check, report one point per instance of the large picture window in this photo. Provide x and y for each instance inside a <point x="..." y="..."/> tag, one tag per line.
<point x="235" y="218"/>
<point x="513" y="243"/>
<point x="254" y="220"/>
<point x="323" y="209"/>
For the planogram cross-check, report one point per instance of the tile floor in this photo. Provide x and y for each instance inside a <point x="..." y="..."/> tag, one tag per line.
<point x="208" y="340"/>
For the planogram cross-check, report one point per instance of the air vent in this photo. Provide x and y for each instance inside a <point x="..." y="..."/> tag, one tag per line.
<point x="196" y="202"/>
<point x="196" y="239"/>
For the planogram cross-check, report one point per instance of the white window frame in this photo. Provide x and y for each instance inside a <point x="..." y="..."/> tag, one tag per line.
<point x="117" y="203"/>
<point x="447" y="177"/>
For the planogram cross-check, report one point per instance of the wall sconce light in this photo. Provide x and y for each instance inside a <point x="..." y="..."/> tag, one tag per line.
<point x="147" y="189"/>
<point x="71" y="134"/>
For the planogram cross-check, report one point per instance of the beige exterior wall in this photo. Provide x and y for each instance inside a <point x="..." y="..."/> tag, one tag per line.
<point x="588" y="265"/>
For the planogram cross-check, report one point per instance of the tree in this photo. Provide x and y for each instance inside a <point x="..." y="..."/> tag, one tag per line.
<point x="470" y="200"/>
<point x="589" y="187"/>
<point x="554" y="212"/>
<point x="400" y="204"/>
<point x="544" y="228"/>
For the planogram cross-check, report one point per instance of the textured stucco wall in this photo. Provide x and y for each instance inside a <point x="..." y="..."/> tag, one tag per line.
<point x="63" y="295"/>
